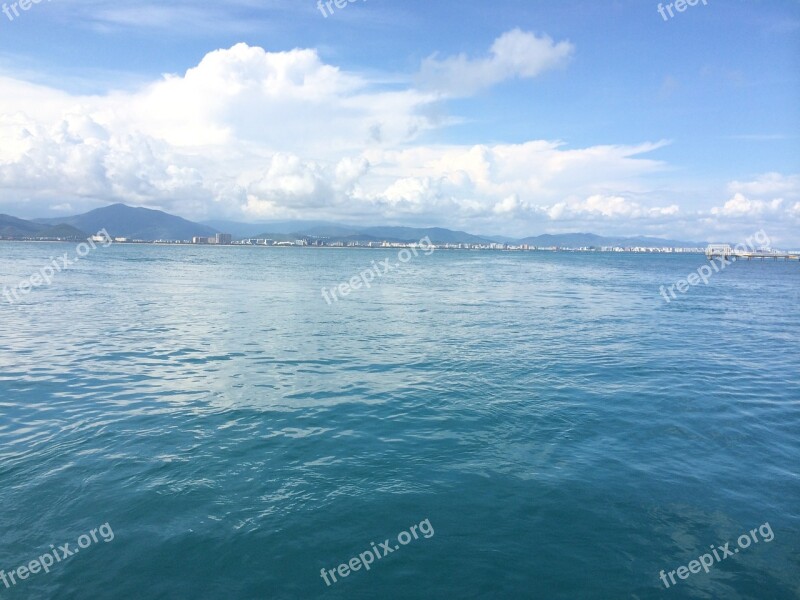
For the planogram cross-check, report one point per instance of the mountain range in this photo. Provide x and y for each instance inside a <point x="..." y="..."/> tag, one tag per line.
<point x="146" y="224"/>
<point x="12" y="227"/>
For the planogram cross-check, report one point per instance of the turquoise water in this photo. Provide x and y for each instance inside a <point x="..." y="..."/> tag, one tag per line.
<point x="565" y="432"/>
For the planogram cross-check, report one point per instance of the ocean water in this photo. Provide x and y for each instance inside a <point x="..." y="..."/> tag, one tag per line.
<point x="559" y="430"/>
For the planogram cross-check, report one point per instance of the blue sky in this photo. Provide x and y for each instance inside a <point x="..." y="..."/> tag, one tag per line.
<point x="503" y="117"/>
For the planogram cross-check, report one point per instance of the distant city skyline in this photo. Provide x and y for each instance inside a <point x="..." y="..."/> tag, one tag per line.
<point x="509" y="118"/>
<point x="138" y="224"/>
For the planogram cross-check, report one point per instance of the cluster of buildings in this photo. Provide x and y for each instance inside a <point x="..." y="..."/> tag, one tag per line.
<point x="326" y="243"/>
<point x="269" y="242"/>
<point x="226" y="239"/>
<point x="653" y="250"/>
<point x="221" y="239"/>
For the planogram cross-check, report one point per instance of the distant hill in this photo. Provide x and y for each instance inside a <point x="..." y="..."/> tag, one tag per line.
<point x="134" y="223"/>
<point x="253" y="230"/>
<point x="64" y="232"/>
<point x="345" y="233"/>
<point x="14" y="227"/>
<point x="150" y="225"/>
<point x="19" y="228"/>
<point x="437" y="235"/>
<point x="336" y="232"/>
<point x="330" y="230"/>
<point x="581" y="240"/>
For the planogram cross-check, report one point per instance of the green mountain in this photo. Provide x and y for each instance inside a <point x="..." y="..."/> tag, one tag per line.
<point x="18" y="228"/>
<point x="150" y="225"/>
<point x="12" y="227"/>
<point x="254" y="230"/>
<point x="344" y="233"/>
<point x="145" y="224"/>
<point x="63" y="232"/>
<point x="590" y="240"/>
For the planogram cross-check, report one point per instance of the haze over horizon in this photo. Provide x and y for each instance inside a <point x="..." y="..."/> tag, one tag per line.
<point x="505" y="119"/>
<point x="148" y="224"/>
<point x="155" y="224"/>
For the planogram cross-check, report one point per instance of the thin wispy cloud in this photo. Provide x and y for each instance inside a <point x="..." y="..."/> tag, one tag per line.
<point x="516" y="54"/>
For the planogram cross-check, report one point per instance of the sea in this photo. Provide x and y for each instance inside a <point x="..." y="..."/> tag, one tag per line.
<point x="182" y="422"/>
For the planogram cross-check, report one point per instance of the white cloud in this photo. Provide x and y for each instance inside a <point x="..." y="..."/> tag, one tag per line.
<point x="769" y="184"/>
<point x="612" y="207"/>
<point x="80" y="158"/>
<point x="251" y="134"/>
<point x="741" y="206"/>
<point x="764" y="202"/>
<point x="765" y="196"/>
<point x="276" y="99"/>
<point x="514" y="54"/>
<point x="510" y="206"/>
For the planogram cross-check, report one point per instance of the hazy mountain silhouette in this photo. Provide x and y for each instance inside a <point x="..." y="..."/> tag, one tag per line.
<point x="149" y="225"/>
<point x="120" y="220"/>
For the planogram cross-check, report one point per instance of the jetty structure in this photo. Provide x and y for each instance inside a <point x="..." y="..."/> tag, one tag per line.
<point x="726" y="251"/>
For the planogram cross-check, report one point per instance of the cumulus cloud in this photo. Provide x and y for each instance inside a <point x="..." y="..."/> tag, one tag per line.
<point x="221" y="131"/>
<point x="79" y="157"/>
<point x="609" y="207"/>
<point x="767" y="196"/>
<point x="249" y="134"/>
<point x="769" y="184"/>
<point x="282" y="100"/>
<point x="292" y="185"/>
<point x="768" y="201"/>
<point x="515" y="54"/>
<point x="741" y="206"/>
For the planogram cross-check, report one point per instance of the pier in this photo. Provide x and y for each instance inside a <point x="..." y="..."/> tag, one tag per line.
<point x="725" y="251"/>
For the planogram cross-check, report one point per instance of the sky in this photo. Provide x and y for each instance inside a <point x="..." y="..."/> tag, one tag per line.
<point x="509" y="117"/>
